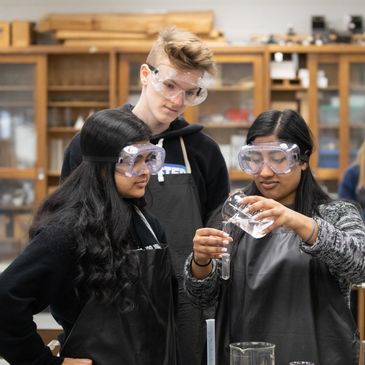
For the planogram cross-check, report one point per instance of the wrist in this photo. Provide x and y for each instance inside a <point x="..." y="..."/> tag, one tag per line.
<point x="309" y="240"/>
<point x="201" y="264"/>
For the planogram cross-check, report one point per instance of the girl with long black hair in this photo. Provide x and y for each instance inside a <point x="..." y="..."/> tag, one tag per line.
<point x="97" y="258"/>
<point x="291" y="287"/>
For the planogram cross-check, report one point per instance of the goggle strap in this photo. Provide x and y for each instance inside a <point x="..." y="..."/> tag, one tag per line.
<point x="99" y="159"/>
<point x="304" y="158"/>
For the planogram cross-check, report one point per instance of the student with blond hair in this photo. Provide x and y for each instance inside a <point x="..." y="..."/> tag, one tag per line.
<point x="194" y="181"/>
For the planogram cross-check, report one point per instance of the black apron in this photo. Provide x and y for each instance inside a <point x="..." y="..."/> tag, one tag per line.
<point x="175" y="202"/>
<point x="281" y="295"/>
<point x="144" y="335"/>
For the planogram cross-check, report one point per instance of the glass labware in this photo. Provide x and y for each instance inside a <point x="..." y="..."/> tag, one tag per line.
<point x="233" y="211"/>
<point x="226" y="257"/>
<point x="252" y="353"/>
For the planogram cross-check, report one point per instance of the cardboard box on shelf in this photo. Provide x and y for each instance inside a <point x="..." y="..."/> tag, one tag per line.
<point x="21" y="33"/>
<point x="4" y="34"/>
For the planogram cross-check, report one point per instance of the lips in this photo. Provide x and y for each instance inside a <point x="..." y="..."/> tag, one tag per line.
<point x="141" y="183"/>
<point x="268" y="185"/>
<point x="172" y="110"/>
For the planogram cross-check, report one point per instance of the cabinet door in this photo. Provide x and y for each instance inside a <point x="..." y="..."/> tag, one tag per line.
<point x="288" y="80"/>
<point x="78" y="85"/>
<point x="22" y="153"/>
<point x="129" y="86"/>
<point x="354" y="105"/>
<point x="325" y="121"/>
<point x="233" y="102"/>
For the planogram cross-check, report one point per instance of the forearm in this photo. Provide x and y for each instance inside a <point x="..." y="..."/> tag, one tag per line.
<point x="341" y="245"/>
<point x="306" y="228"/>
<point x="203" y="293"/>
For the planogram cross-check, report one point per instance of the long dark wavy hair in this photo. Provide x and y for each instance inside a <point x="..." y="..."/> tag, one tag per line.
<point x="87" y="204"/>
<point x="289" y="126"/>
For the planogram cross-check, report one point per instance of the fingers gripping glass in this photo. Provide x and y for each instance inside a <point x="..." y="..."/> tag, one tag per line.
<point x="136" y="158"/>
<point x="280" y="157"/>
<point x="167" y="80"/>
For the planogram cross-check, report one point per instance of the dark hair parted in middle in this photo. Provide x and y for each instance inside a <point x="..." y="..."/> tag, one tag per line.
<point x="289" y="126"/>
<point x="88" y="203"/>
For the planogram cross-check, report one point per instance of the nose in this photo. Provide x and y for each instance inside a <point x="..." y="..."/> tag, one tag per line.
<point x="179" y="99"/>
<point x="266" y="170"/>
<point x="144" y="170"/>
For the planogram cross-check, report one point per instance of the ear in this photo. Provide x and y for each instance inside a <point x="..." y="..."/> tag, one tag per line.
<point x="144" y="73"/>
<point x="304" y="166"/>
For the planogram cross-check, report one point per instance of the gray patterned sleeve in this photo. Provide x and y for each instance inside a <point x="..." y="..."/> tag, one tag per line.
<point x="203" y="293"/>
<point x="340" y="242"/>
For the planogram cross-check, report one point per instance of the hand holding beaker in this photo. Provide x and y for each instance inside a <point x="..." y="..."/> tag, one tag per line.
<point x="233" y="211"/>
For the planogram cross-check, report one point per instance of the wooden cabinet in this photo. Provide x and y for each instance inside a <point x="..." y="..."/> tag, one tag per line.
<point x="79" y="83"/>
<point x="328" y="90"/>
<point x="22" y="147"/>
<point x="46" y="92"/>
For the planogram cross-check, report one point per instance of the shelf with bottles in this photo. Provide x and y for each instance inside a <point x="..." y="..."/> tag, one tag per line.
<point x="287" y="85"/>
<point x="17" y="139"/>
<point x="230" y="101"/>
<point x="16" y="211"/>
<point x="77" y="85"/>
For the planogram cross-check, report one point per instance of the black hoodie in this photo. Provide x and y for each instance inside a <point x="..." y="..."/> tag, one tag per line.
<point x="207" y="163"/>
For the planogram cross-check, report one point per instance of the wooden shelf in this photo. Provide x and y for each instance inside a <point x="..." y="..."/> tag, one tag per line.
<point x="14" y="208"/>
<point x="16" y="104"/>
<point x="233" y="88"/>
<point x="11" y="173"/>
<point x="79" y="104"/>
<point x="11" y="88"/>
<point x="357" y="125"/>
<point x="329" y="88"/>
<point x="329" y="126"/>
<point x="62" y="130"/>
<point x="288" y="88"/>
<point x="356" y="88"/>
<point x="287" y="85"/>
<point x="242" y="124"/>
<point x="54" y="173"/>
<point x="236" y="175"/>
<point x="78" y="88"/>
<point x="327" y="173"/>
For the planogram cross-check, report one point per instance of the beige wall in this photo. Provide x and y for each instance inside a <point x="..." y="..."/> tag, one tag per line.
<point x="238" y="19"/>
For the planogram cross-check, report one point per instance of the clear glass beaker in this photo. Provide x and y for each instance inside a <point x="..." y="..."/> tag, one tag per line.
<point x="252" y="353"/>
<point x="234" y="212"/>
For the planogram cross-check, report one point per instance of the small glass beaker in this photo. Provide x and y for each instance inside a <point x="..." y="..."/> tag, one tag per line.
<point x="252" y="353"/>
<point x="234" y="212"/>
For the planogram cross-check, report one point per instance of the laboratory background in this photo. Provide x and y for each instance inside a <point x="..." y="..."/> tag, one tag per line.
<point x="62" y="60"/>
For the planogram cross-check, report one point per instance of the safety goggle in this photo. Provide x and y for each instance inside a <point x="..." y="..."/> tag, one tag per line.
<point x="136" y="158"/>
<point x="280" y="157"/>
<point x="166" y="81"/>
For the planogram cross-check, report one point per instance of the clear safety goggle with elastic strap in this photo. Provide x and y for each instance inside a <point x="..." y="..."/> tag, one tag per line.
<point x="280" y="157"/>
<point x="170" y="83"/>
<point x="136" y="158"/>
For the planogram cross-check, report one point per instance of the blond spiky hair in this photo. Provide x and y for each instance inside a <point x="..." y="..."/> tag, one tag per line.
<point x="184" y="50"/>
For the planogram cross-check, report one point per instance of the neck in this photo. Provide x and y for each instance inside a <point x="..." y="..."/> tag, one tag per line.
<point x="143" y="113"/>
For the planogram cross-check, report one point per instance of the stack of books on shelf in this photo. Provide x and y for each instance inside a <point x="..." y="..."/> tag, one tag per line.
<point x="126" y="29"/>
